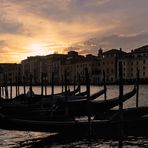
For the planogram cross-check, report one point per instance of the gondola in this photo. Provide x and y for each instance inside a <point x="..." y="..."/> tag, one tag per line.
<point x="45" y="106"/>
<point x="99" y="127"/>
<point x="80" y="107"/>
<point x="127" y="113"/>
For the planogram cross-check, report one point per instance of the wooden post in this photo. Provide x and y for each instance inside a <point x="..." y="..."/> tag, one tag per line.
<point x="74" y="83"/>
<point x="66" y="93"/>
<point x="3" y="89"/>
<point x="24" y="84"/>
<point x="65" y="79"/>
<point x="31" y="84"/>
<point x="16" y="86"/>
<point x="10" y="88"/>
<point x="42" y="84"/>
<point x="0" y="90"/>
<point x="46" y="84"/>
<point x="120" y="104"/>
<point x="137" y="94"/>
<point x="6" y="87"/>
<point x="79" y="85"/>
<point x="104" y="83"/>
<point x="88" y="102"/>
<point x="62" y="85"/>
<point x="52" y="84"/>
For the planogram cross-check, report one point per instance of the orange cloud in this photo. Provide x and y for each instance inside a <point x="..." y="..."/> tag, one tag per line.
<point x="32" y="27"/>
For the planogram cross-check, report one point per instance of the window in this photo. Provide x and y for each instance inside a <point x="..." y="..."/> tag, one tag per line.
<point x="131" y="63"/>
<point x="112" y="70"/>
<point x="107" y="70"/>
<point x="143" y="73"/>
<point x="143" y="67"/>
<point x="143" y="61"/>
<point x="111" y="79"/>
<point x="137" y="63"/>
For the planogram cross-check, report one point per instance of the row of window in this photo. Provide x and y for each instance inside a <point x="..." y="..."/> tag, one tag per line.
<point x="132" y="74"/>
<point x="132" y="63"/>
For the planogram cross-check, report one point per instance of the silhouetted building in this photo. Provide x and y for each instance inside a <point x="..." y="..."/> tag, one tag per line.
<point x="32" y="66"/>
<point x="10" y="72"/>
<point x="110" y="64"/>
<point x="136" y="60"/>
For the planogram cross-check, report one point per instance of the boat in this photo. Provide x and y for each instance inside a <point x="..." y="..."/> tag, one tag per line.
<point x="128" y="127"/>
<point x="78" y="107"/>
<point x="127" y="113"/>
<point x="81" y="107"/>
<point x="41" y="109"/>
<point x="49" y="99"/>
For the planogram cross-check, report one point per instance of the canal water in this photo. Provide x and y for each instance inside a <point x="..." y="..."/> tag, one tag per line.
<point x="16" y="139"/>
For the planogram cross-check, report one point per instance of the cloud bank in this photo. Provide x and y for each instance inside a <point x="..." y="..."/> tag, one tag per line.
<point x="56" y="25"/>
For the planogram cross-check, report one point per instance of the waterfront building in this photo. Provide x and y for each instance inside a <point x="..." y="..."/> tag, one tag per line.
<point x="32" y="66"/>
<point x="74" y="65"/>
<point x="10" y="72"/>
<point x="53" y="64"/>
<point x="136" y="60"/>
<point x="110" y="60"/>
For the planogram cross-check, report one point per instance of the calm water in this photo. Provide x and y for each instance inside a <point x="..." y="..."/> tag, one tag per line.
<point x="9" y="139"/>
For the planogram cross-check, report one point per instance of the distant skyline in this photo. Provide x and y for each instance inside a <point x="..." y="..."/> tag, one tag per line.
<point x="41" y="27"/>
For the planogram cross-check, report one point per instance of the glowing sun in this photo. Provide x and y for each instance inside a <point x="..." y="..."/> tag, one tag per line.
<point x="39" y="49"/>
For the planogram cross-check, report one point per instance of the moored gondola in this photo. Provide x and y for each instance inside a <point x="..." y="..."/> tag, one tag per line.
<point x="99" y="127"/>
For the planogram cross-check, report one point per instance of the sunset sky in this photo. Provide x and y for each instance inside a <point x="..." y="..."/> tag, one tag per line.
<point x="40" y="27"/>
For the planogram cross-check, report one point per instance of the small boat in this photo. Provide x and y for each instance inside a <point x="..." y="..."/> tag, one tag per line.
<point x="50" y="99"/>
<point x="129" y="127"/>
<point x="128" y="113"/>
<point x="80" y="107"/>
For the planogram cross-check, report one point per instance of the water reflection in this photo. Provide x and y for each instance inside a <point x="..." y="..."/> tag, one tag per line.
<point x="66" y="141"/>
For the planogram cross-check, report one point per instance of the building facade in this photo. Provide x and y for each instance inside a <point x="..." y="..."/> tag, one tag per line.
<point x="75" y="65"/>
<point x="10" y="72"/>
<point x="136" y="60"/>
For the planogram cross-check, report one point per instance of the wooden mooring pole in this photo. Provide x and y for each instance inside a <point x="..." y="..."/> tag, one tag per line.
<point x="62" y="85"/>
<point x="104" y="83"/>
<point x="66" y="93"/>
<point x="45" y="83"/>
<point x="6" y="87"/>
<point x="79" y="84"/>
<point x="0" y="90"/>
<point x="52" y="84"/>
<point x="74" y="83"/>
<point x="3" y="89"/>
<point x="137" y="94"/>
<point x="121" y="105"/>
<point x="42" y="84"/>
<point x="31" y="85"/>
<point x="16" y="84"/>
<point x="88" y="104"/>
<point x="24" y="84"/>
<point x="10" y="88"/>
